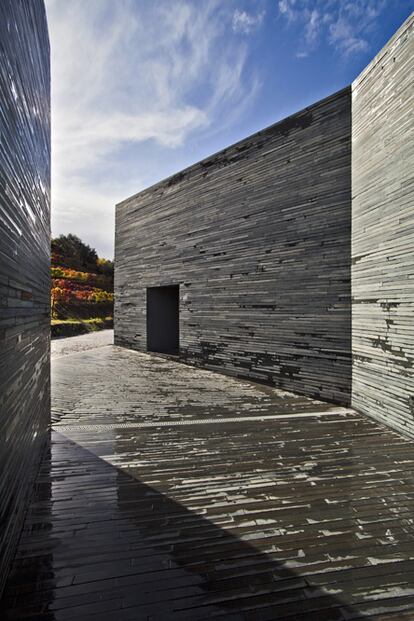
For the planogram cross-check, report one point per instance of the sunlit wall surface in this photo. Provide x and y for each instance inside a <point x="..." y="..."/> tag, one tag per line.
<point x="24" y="258"/>
<point x="383" y="234"/>
<point x="258" y="239"/>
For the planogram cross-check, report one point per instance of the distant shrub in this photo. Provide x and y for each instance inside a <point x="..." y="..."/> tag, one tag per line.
<point x="72" y="327"/>
<point x="82" y="283"/>
<point x="66" y="291"/>
<point x="97" y="280"/>
<point x="104" y="266"/>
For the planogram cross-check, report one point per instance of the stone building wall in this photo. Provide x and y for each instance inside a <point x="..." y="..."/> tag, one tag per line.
<point x="383" y="234"/>
<point x="258" y="239"/>
<point x="24" y="258"/>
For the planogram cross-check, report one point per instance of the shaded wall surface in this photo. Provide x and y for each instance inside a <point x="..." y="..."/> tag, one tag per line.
<point x="383" y="234"/>
<point x="24" y="258"/>
<point x="258" y="238"/>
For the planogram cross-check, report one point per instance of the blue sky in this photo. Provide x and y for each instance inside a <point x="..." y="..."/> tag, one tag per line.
<point x="144" y="88"/>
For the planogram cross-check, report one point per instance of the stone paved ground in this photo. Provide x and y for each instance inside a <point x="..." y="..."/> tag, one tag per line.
<point x="75" y="344"/>
<point x="176" y="493"/>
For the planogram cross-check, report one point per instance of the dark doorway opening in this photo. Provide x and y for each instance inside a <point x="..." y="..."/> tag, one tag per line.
<point x="163" y="325"/>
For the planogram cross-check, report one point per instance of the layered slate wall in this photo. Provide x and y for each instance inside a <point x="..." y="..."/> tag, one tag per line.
<point x="258" y="238"/>
<point x="383" y="234"/>
<point x="24" y="258"/>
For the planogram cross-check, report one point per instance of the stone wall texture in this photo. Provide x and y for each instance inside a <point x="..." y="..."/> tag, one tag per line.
<point x="24" y="258"/>
<point x="383" y="234"/>
<point x="258" y="238"/>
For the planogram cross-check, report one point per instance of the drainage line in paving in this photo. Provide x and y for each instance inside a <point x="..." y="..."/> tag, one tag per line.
<point x="204" y="421"/>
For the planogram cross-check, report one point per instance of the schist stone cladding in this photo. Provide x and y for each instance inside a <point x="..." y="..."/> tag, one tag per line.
<point x="383" y="234"/>
<point x="24" y="258"/>
<point x="258" y="239"/>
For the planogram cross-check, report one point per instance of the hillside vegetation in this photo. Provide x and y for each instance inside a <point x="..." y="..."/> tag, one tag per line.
<point x="82" y="287"/>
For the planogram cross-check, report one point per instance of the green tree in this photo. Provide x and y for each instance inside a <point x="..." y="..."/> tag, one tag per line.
<point x="104" y="266"/>
<point x="70" y="251"/>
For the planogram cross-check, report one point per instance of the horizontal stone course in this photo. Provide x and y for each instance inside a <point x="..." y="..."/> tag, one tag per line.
<point x="264" y="240"/>
<point x="258" y="237"/>
<point x="383" y="235"/>
<point x="24" y="259"/>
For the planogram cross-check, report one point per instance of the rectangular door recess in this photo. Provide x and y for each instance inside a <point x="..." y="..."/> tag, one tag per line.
<point x="163" y="330"/>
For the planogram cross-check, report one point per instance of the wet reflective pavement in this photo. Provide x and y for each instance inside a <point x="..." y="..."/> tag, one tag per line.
<point x="170" y="492"/>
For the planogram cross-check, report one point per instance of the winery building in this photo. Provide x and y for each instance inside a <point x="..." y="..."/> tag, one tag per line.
<point x="288" y="258"/>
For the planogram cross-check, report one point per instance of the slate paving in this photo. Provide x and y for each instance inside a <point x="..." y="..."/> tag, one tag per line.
<point x="74" y="344"/>
<point x="170" y="492"/>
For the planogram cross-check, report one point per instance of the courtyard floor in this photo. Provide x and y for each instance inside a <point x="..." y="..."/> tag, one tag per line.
<point x="171" y="492"/>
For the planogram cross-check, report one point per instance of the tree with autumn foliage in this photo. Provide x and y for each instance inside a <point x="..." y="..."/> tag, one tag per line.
<point x="82" y="282"/>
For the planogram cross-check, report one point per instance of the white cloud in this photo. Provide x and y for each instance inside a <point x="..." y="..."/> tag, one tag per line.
<point x="286" y="8"/>
<point x="313" y="26"/>
<point x="87" y="210"/>
<point x="343" y="37"/>
<point x="246" y="22"/>
<point x="126" y="74"/>
<point x="342" y="24"/>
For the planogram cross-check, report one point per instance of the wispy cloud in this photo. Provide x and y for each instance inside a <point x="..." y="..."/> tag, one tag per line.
<point x="342" y="24"/>
<point x="246" y="22"/>
<point x="345" y="37"/>
<point x="125" y="75"/>
<point x="287" y="8"/>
